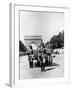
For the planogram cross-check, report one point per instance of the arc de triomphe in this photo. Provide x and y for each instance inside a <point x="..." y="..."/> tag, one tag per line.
<point x="32" y="39"/>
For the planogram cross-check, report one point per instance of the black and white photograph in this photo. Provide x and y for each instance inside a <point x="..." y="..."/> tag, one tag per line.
<point x="41" y="44"/>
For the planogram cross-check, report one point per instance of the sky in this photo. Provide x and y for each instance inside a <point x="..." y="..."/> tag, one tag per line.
<point x="46" y="24"/>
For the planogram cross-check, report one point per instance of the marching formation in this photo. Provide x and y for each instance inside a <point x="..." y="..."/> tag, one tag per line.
<point x="43" y="56"/>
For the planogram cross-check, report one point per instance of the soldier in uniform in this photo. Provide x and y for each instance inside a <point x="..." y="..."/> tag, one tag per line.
<point x="31" y="57"/>
<point x="49" y="52"/>
<point x="41" y="57"/>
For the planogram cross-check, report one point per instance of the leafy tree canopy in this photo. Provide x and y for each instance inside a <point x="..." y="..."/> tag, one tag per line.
<point x="57" y="41"/>
<point x="22" y="48"/>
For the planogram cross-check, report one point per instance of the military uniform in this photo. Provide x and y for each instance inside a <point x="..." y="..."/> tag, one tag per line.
<point x="41" y="57"/>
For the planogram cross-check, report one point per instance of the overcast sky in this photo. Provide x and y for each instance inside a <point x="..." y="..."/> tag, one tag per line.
<point x="46" y="24"/>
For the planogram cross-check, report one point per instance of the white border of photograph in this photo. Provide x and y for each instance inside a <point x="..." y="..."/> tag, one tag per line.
<point x="14" y="46"/>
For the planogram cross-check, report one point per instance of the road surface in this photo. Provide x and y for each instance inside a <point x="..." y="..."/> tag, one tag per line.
<point x="57" y="70"/>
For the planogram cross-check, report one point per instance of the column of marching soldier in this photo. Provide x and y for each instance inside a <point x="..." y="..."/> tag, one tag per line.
<point x="42" y="55"/>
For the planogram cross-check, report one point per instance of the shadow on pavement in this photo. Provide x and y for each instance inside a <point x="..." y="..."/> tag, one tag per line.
<point x="37" y="65"/>
<point x="49" y="69"/>
<point x="55" y="64"/>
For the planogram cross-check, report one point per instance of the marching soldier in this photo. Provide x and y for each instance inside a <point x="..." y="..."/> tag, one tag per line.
<point x="49" y="52"/>
<point x="31" y="57"/>
<point x="41" y="56"/>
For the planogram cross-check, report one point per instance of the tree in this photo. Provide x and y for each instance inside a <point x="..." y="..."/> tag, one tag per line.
<point x="54" y="42"/>
<point x="22" y="48"/>
<point x="57" y="41"/>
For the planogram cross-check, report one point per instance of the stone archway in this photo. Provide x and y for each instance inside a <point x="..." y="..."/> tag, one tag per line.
<point x="32" y="39"/>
